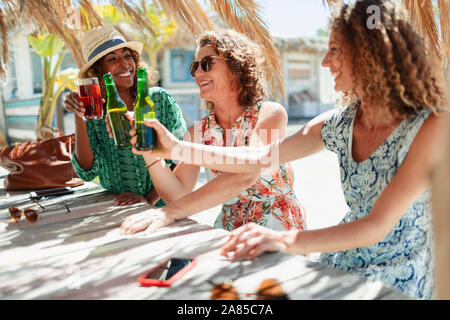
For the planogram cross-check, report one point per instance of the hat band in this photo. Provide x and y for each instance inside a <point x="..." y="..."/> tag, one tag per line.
<point x="105" y="46"/>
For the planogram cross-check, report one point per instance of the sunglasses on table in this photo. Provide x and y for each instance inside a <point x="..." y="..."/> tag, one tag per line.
<point x="32" y="215"/>
<point x="269" y="289"/>
<point x="205" y="63"/>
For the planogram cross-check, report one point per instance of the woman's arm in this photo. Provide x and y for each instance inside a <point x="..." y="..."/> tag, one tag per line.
<point x="173" y="186"/>
<point x="83" y="151"/>
<point x="305" y="142"/>
<point x="411" y="180"/>
<point x="170" y="185"/>
<point x="222" y="188"/>
<point x="271" y="124"/>
<point x="177" y="180"/>
<point x="217" y="191"/>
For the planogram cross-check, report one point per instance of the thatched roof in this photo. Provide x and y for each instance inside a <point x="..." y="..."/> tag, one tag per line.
<point x="69" y="19"/>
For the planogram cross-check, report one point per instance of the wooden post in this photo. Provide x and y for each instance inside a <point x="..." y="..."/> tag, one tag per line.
<point x="59" y="110"/>
<point x="3" y="128"/>
<point x="441" y="221"/>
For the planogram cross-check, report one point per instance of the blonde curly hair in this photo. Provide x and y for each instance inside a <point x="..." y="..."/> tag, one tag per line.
<point x="390" y="61"/>
<point x="245" y="59"/>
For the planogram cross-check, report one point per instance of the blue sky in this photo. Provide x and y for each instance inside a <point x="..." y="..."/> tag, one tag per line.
<point x="294" y="18"/>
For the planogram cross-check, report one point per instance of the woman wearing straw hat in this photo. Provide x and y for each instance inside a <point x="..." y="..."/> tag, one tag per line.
<point x="119" y="170"/>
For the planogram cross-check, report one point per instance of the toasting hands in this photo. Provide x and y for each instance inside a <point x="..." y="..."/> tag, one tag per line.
<point x="166" y="140"/>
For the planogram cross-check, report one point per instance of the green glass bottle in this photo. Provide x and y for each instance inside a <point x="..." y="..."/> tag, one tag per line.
<point x="144" y="109"/>
<point x="116" y="109"/>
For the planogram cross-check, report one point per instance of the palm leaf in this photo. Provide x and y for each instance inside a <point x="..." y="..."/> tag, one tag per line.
<point x="188" y="14"/>
<point x="444" y="17"/>
<point x="3" y="42"/>
<point x="244" y="16"/>
<point x="422" y="17"/>
<point x="135" y="13"/>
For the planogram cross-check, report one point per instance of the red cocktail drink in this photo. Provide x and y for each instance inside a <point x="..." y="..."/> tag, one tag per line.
<point x="90" y="95"/>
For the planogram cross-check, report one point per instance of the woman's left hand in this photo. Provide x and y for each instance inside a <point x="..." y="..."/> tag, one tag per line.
<point x="128" y="198"/>
<point x="251" y="240"/>
<point x="150" y="221"/>
<point x="108" y="125"/>
<point x="166" y="140"/>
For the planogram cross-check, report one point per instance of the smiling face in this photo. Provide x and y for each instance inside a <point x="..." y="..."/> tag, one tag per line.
<point x="216" y="82"/>
<point x="338" y="61"/>
<point x="122" y="66"/>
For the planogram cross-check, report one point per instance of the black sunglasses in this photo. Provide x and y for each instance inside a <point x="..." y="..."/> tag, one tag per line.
<point x="205" y="63"/>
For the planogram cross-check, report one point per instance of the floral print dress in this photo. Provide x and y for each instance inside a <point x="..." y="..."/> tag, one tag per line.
<point x="271" y="201"/>
<point x="403" y="259"/>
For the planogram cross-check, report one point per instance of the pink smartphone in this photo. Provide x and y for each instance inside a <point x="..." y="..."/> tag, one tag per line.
<point x="149" y="279"/>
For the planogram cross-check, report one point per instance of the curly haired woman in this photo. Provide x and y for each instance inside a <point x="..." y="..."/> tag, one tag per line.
<point x="229" y="73"/>
<point x="386" y="136"/>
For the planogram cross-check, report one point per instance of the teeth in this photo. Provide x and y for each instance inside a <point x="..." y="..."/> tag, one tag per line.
<point x="127" y="74"/>
<point x="204" y="83"/>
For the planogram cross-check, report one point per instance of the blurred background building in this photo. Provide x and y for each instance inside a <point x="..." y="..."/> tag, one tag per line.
<point x="309" y="87"/>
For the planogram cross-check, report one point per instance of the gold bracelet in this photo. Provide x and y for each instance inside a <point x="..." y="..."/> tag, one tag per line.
<point x="148" y="166"/>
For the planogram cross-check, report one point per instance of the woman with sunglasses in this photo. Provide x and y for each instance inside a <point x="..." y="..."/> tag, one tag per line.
<point x="229" y="73"/>
<point x="387" y="137"/>
<point x="119" y="170"/>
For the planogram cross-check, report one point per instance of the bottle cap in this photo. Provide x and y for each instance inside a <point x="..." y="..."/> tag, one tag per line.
<point x="108" y="77"/>
<point x="141" y="72"/>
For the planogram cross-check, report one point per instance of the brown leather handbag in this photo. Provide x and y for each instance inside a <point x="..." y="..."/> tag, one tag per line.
<point x="41" y="164"/>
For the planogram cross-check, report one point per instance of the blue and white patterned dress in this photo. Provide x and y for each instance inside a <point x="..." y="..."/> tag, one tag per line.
<point x="403" y="259"/>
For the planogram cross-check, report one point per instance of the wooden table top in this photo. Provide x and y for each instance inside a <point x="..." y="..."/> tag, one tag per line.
<point x="82" y="255"/>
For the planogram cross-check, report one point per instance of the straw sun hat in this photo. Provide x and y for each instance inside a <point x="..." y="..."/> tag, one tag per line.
<point x="100" y="41"/>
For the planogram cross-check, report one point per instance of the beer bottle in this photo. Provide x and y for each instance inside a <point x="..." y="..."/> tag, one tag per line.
<point x="143" y="109"/>
<point x="116" y="109"/>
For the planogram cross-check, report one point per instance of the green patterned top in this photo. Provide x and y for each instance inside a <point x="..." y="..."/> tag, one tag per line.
<point x="120" y="170"/>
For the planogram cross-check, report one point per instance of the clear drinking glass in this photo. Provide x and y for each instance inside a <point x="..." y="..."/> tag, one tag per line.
<point x="90" y="95"/>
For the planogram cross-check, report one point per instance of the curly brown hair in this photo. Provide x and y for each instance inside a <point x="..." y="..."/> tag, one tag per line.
<point x="390" y="61"/>
<point x="245" y="60"/>
<point x="96" y="71"/>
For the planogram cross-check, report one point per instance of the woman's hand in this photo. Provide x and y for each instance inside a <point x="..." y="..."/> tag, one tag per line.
<point x="109" y="129"/>
<point x="251" y="240"/>
<point x="128" y="198"/>
<point x="73" y="104"/>
<point x="149" y="157"/>
<point x="166" y="140"/>
<point x="152" y="197"/>
<point x="108" y="126"/>
<point x="150" y="221"/>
